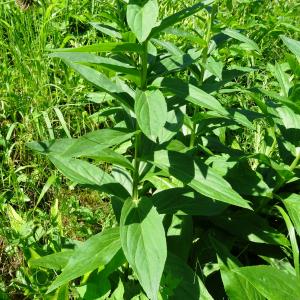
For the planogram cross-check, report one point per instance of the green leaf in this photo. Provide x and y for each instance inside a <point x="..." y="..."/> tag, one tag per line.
<point x="272" y="283"/>
<point x="55" y="261"/>
<point x="112" y="157"/>
<point x="104" y="83"/>
<point x="214" y="67"/>
<point x="88" y="175"/>
<point x="181" y="282"/>
<point x="176" y="18"/>
<point x="181" y="199"/>
<point x="62" y="293"/>
<point x="179" y="234"/>
<point x="173" y="125"/>
<point x="96" y="252"/>
<point x="283" y="79"/>
<point x="293" y="45"/>
<point x="141" y="17"/>
<point x="251" y="183"/>
<point x="87" y="145"/>
<point x="174" y="63"/>
<point x="151" y="112"/>
<point x="144" y="243"/>
<point x="95" y="77"/>
<point x="251" y="227"/>
<point x="292" y="204"/>
<point x="235" y="286"/>
<point x="198" y="176"/>
<point x="107" y="29"/>
<point x="105" y="62"/>
<point x="190" y="93"/>
<point x="104" y="47"/>
<point x="242" y="38"/>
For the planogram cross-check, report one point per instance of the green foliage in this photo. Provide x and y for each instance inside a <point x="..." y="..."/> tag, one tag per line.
<point x="190" y="136"/>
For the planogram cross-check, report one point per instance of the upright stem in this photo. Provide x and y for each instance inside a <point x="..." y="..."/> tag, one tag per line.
<point x="143" y="86"/>
<point x="210" y="20"/>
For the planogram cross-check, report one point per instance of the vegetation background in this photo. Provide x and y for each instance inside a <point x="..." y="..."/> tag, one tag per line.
<point x="41" y="99"/>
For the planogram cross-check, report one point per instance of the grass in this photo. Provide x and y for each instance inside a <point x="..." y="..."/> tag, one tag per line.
<point x="41" y="99"/>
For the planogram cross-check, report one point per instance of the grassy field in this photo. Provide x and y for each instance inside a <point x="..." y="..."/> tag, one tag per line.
<point x="226" y="82"/>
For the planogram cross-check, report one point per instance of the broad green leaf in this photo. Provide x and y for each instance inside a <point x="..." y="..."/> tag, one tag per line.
<point x="187" y="35"/>
<point x="170" y="47"/>
<point x="182" y="282"/>
<point x="179" y="234"/>
<point x="95" y="77"/>
<point x="112" y="157"/>
<point x="191" y="93"/>
<point x="242" y="38"/>
<point x="176" y="18"/>
<point x="62" y="293"/>
<point x="181" y="199"/>
<point x="214" y="67"/>
<point x="92" y="290"/>
<point x="250" y="184"/>
<point x="141" y="17"/>
<point x="172" y="126"/>
<point x="107" y="29"/>
<point x="105" y="62"/>
<point x="103" y="82"/>
<point x="292" y="204"/>
<point x="290" y="119"/>
<point x="293" y="45"/>
<point x="151" y="112"/>
<point x="174" y="63"/>
<point x="104" y="47"/>
<point x="86" y="174"/>
<point x="199" y="177"/>
<point x="236" y="287"/>
<point x="272" y="283"/>
<point x="144" y="243"/>
<point x="283" y="79"/>
<point x="96" y="252"/>
<point x="251" y="227"/>
<point x="91" y="143"/>
<point x="55" y="261"/>
<point x="282" y="99"/>
<point x="118" y="292"/>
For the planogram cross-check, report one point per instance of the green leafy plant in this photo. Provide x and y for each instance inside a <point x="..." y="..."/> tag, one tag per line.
<point x="184" y="190"/>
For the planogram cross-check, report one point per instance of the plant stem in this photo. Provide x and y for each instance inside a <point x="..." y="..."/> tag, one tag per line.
<point x="143" y="86"/>
<point x="210" y="20"/>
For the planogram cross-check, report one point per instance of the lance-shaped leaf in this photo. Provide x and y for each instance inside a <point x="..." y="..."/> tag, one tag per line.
<point x="184" y="282"/>
<point x="107" y="29"/>
<point x="242" y="38"/>
<point x="236" y="287"/>
<point x="171" y="200"/>
<point x="104" y="47"/>
<point x="271" y="282"/>
<point x="151" y="112"/>
<point x="96" y="252"/>
<point x="293" y="45"/>
<point x="88" y="175"/>
<point x="141" y="17"/>
<point x="198" y="176"/>
<point x="190" y="93"/>
<point x="87" y="145"/>
<point x="292" y="204"/>
<point x="102" y="82"/>
<point x="55" y="261"/>
<point x="177" y="17"/>
<point x="144" y="243"/>
<point x="105" y="62"/>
